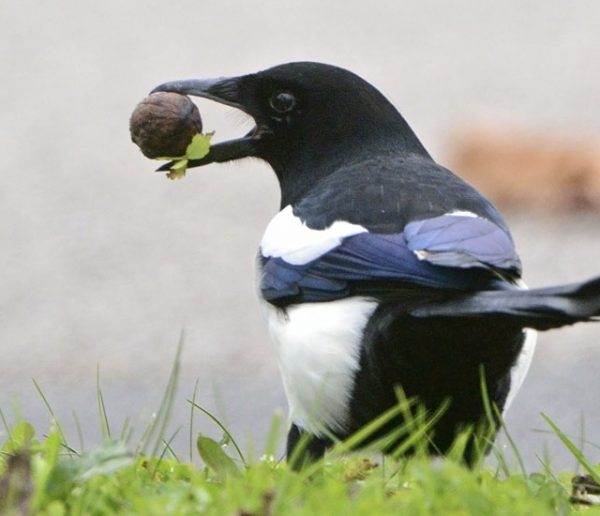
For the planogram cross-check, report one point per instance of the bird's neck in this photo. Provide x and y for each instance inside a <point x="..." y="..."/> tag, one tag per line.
<point x="300" y="169"/>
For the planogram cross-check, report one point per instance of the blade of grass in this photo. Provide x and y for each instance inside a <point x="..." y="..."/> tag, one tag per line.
<point x="171" y="451"/>
<point x="294" y="461"/>
<point x="104" y="424"/>
<point x="220" y="405"/>
<point x="6" y="425"/>
<point x="421" y="432"/>
<point x="144" y="439"/>
<point x="167" y="444"/>
<point x="79" y="432"/>
<point x="167" y="447"/>
<point x="545" y="462"/>
<point x="419" y="426"/>
<point x="483" y="436"/>
<point x="125" y="430"/>
<point x="459" y="446"/>
<point x="581" y="439"/>
<point x="249" y="451"/>
<point x="222" y="427"/>
<point x="368" y="430"/>
<point x="502" y="464"/>
<point x="576" y="452"/>
<point x="495" y="421"/>
<point x="191" y="436"/>
<point x="274" y="434"/>
<point x="127" y="435"/>
<point x="511" y="443"/>
<point x="550" y="432"/>
<point x="161" y="418"/>
<point x="407" y="405"/>
<point x="169" y="396"/>
<point x="52" y="415"/>
<point x="487" y="404"/>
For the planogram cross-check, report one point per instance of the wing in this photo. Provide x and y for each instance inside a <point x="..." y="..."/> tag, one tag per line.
<point x="462" y="239"/>
<point x="458" y="251"/>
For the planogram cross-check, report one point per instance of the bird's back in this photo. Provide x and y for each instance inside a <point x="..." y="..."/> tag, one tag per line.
<point x="384" y="192"/>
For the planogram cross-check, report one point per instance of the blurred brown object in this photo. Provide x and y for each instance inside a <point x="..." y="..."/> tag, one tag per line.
<point x="16" y="485"/>
<point x="527" y="170"/>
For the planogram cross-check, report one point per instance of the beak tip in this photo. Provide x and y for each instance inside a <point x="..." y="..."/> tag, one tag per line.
<point x="165" y="167"/>
<point x="167" y="87"/>
<point x="196" y="87"/>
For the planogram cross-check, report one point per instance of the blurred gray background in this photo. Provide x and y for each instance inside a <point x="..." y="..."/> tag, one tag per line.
<point x="104" y="262"/>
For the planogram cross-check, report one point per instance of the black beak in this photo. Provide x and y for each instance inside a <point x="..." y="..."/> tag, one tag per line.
<point x="222" y="90"/>
<point x="225" y="91"/>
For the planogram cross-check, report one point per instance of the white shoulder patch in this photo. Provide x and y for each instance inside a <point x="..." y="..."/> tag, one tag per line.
<point x="287" y="237"/>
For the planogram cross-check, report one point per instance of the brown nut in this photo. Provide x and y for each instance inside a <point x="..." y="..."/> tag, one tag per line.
<point x="163" y="124"/>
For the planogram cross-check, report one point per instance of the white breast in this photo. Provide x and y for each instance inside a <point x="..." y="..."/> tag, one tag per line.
<point x="319" y="351"/>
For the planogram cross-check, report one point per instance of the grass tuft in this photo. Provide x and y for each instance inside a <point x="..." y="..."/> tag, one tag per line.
<point x="152" y="437"/>
<point x="37" y="477"/>
<point x="226" y="433"/>
<point x="575" y="451"/>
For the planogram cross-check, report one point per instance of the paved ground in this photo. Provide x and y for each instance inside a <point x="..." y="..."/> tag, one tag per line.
<point x="103" y="262"/>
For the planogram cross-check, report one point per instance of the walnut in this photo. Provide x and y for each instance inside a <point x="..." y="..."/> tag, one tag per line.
<point x="163" y="125"/>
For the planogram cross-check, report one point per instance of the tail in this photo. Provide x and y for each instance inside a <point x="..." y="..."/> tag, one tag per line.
<point x="541" y="309"/>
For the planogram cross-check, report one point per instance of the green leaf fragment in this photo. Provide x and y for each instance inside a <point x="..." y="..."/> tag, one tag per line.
<point x="199" y="146"/>
<point x="215" y="458"/>
<point x="178" y="169"/>
<point x="197" y="149"/>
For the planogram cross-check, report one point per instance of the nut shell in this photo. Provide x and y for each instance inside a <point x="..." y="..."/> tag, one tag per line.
<point x="163" y="124"/>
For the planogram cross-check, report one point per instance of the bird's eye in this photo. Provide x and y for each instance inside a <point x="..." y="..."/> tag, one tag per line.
<point x="282" y="102"/>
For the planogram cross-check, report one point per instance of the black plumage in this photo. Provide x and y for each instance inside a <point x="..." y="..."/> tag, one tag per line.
<point x="367" y="215"/>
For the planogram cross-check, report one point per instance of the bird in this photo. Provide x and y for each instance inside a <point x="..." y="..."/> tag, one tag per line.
<point x="383" y="273"/>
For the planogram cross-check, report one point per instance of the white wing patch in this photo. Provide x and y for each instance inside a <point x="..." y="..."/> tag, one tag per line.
<point x="461" y="213"/>
<point x="422" y="254"/>
<point x="319" y="351"/>
<point x="287" y="237"/>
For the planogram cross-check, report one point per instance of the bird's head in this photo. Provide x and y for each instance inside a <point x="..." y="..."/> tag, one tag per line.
<point x="309" y="118"/>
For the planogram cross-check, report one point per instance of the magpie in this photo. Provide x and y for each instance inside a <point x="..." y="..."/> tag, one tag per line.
<point x="382" y="269"/>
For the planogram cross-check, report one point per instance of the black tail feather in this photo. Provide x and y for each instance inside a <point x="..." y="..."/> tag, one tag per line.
<point x="541" y="309"/>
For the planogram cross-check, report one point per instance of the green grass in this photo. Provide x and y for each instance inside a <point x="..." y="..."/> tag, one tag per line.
<point x="112" y="479"/>
<point x="49" y="476"/>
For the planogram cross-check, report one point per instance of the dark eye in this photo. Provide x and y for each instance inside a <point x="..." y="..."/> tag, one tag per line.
<point x="282" y="102"/>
